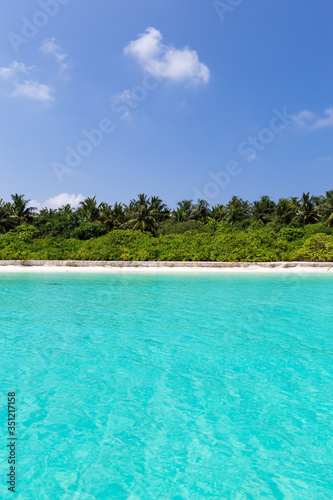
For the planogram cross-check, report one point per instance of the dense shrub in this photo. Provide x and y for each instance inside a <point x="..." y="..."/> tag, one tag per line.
<point x="317" y="248"/>
<point x="13" y="248"/>
<point x="291" y="233"/>
<point x="224" y="245"/>
<point x="321" y="228"/>
<point x="88" y="230"/>
<point x="171" y="227"/>
<point x="25" y="233"/>
<point x="118" y="245"/>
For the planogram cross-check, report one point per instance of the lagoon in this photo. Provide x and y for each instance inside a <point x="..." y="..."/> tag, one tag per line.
<point x="169" y="386"/>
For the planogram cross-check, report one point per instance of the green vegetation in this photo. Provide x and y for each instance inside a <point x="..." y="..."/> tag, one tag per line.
<point x="146" y="229"/>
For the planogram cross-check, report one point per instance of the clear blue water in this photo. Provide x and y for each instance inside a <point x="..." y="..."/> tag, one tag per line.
<point x="168" y="387"/>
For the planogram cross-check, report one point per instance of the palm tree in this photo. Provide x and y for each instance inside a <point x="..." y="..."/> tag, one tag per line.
<point x="105" y="214"/>
<point x="118" y="214"/>
<point x="201" y="211"/>
<point x="327" y="208"/>
<point x="6" y="221"/>
<point x="89" y="209"/>
<point x="184" y="212"/>
<point x="286" y="210"/>
<point x="20" y="211"/>
<point x="66" y="209"/>
<point x="218" y="212"/>
<point x="162" y="212"/>
<point x="113" y="217"/>
<point x="263" y="210"/>
<point x="141" y="215"/>
<point x="237" y="210"/>
<point x="308" y="211"/>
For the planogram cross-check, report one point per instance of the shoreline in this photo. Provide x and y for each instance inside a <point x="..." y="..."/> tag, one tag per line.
<point x="162" y="266"/>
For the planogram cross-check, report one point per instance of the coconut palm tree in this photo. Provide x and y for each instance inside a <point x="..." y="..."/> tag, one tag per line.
<point x="184" y="212"/>
<point x="263" y="210"/>
<point x="327" y="208"/>
<point x="237" y="210"/>
<point x="201" y="211"/>
<point x="141" y="215"/>
<point x="105" y="214"/>
<point x="112" y="217"/>
<point x="66" y="209"/>
<point x="89" y="209"/>
<point x="308" y="210"/>
<point x="161" y="210"/>
<point x="20" y="211"/>
<point x="6" y="221"/>
<point x="218" y="212"/>
<point x="286" y="210"/>
<point x="118" y="214"/>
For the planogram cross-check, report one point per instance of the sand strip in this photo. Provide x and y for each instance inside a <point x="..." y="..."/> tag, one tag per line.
<point x="165" y="267"/>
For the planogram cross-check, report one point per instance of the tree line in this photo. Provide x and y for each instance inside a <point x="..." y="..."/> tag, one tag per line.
<point x="151" y="215"/>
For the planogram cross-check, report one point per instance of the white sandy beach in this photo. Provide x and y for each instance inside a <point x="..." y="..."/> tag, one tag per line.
<point x="163" y="267"/>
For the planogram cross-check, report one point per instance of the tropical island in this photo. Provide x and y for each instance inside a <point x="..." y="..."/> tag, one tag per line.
<point x="293" y="229"/>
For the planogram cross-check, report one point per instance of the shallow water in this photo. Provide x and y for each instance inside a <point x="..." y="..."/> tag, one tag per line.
<point x="168" y="387"/>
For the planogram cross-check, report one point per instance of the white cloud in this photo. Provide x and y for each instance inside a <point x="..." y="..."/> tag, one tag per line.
<point x="59" y="201"/>
<point x="19" y="81"/>
<point x="35" y="204"/>
<point x="50" y="47"/>
<point x="14" y="69"/>
<point x="16" y="86"/>
<point x="309" y="120"/>
<point x="165" y="61"/>
<point x="33" y="90"/>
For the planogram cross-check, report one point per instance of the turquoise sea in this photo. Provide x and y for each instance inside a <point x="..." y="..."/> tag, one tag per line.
<point x="168" y="387"/>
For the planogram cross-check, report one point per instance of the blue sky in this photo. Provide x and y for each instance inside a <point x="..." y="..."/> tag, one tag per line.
<point x="191" y="98"/>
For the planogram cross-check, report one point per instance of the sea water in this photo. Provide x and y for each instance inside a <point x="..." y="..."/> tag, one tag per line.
<point x="168" y="387"/>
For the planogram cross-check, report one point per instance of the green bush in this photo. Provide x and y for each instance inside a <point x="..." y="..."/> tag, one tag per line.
<point x="12" y="247"/>
<point x="226" y="245"/>
<point x="25" y="232"/>
<point x="171" y="227"/>
<point x="321" y="228"/>
<point x="119" y="245"/>
<point x="248" y="247"/>
<point x="317" y="248"/>
<point x="291" y="233"/>
<point x="88" y="230"/>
